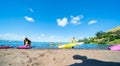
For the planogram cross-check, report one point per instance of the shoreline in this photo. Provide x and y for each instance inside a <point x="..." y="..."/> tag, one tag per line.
<point x="59" y="57"/>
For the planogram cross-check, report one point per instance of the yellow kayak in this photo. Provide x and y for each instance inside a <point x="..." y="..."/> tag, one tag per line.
<point x="70" y="45"/>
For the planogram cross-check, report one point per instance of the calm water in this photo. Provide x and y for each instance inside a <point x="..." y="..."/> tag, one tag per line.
<point x="42" y="45"/>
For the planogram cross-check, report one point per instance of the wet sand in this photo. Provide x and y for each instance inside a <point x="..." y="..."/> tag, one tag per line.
<point x="58" y="57"/>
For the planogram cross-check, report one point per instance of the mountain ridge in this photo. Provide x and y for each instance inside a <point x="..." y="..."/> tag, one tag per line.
<point x="114" y="29"/>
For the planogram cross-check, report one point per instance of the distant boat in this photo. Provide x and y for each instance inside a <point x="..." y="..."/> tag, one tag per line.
<point x="70" y="45"/>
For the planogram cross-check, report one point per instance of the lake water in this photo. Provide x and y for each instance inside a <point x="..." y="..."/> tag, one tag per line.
<point x="46" y="45"/>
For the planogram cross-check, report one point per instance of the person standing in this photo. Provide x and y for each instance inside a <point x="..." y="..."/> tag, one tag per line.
<point x="73" y="40"/>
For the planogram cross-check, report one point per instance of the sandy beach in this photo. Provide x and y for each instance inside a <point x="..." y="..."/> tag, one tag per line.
<point x="58" y="57"/>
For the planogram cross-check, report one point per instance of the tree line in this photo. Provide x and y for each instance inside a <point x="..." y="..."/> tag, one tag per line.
<point x="103" y="38"/>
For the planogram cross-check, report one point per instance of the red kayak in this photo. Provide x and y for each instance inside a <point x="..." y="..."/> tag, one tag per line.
<point x="115" y="47"/>
<point x="5" y="47"/>
<point x="23" y="47"/>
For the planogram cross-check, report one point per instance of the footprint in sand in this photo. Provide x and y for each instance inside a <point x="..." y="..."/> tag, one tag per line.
<point x="41" y="55"/>
<point x="24" y="53"/>
<point x="35" y="64"/>
<point x="30" y="60"/>
<point x="35" y="58"/>
<point x="10" y="64"/>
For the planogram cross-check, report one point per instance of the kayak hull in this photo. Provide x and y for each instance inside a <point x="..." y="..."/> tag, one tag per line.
<point x="23" y="47"/>
<point x="69" y="45"/>
<point x="5" y="47"/>
<point x="115" y="47"/>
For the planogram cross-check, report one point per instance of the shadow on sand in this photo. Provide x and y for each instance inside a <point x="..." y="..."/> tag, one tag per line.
<point x="92" y="62"/>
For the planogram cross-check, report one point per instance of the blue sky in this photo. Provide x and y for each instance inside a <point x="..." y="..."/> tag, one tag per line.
<point x="56" y="20"/>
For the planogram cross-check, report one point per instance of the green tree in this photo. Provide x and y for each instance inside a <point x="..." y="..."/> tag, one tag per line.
<point x="117" y="34"/>
<point x="86" y="41"/>
<point x="100" y="34"/>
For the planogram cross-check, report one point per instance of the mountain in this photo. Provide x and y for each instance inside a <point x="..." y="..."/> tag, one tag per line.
<point x="115" y="29"/>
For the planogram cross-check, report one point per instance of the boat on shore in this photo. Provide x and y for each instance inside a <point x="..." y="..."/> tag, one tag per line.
<point x="115" y="47"/>
<point x="70" y="45"/>
<point x="5" y="47"/>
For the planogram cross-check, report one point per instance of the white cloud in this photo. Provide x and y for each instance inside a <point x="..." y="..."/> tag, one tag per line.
<point x="55" y="38"/>
<point x="31" y="10"/>
<point x="37" y="38"/>
<point x="42" y="35"/>
<point x="41" y="38"/>
<point x="52" y="38"/>
<point x="48" y="38"/>
<point x="76" y="20"/>
<point x="92" y="22"/>
<point x="30" y="19"/>
<point x="62" y="22"/>
<point x="9" y="36"/>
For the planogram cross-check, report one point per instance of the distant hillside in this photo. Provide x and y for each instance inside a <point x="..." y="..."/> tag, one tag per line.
<point x="114" y="29"/>
<point x="110" y="37"/>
